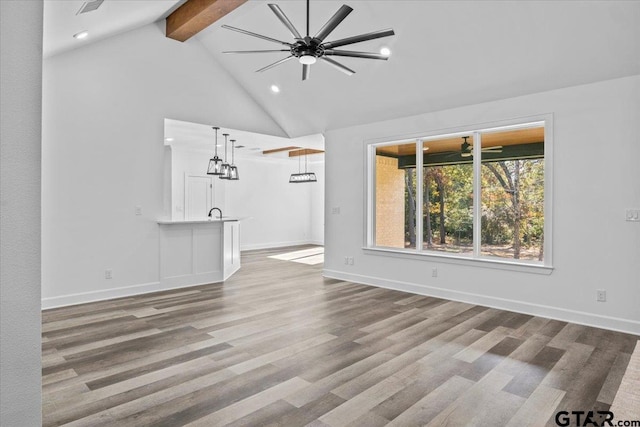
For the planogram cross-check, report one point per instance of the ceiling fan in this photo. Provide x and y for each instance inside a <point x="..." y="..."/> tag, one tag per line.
<point x="466" y="149"/>
<point x="309" y="49"/>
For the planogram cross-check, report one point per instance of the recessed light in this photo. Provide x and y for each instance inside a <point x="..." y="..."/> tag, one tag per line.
<point x="275" y="89"/>
<point x="81" y="35"/>
<point x="168" y="139"/>
<point x="385" y="51"/>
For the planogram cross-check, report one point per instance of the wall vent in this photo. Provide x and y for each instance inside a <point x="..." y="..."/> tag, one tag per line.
<point x="89" y="6"/>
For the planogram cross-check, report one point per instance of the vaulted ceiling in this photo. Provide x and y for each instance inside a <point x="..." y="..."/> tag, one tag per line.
<point x="445" y="54"/>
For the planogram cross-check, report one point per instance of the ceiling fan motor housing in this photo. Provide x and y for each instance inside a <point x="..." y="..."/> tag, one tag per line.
<point x="307" y="47"/>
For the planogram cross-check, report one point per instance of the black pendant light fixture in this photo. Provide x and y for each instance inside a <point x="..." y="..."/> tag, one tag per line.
<point x="215" y="164"/>
<point x="225" y="168"/>
<point x="299" y="178"/>
<point x="233" y="169"/>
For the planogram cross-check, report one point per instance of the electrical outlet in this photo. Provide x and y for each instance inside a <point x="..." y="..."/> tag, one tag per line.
<point x="108" y="274"/>
<point x="434" y="272"/>
<point x="346" y="260"/>
<point x="335" y="211"/>
<point x="601" y="295"/>
<point x="633" y="215"/>
<point x="350" y="260"/>
<point x="138" y="210"/>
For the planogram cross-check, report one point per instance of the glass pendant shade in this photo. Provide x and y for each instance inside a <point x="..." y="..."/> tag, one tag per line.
<point x="233" y="169"/>
<point x="215" y="164"/>
<point x="233" y="173"/>
<point x="226" y="171"/>
<point x="225" y="167"/>
<point x="300" y="177"/>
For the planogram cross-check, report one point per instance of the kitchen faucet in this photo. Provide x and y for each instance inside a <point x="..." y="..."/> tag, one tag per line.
<point x="215" y="209"/>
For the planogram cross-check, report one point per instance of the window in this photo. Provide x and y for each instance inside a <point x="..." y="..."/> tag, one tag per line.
<point x="478" y="194"/>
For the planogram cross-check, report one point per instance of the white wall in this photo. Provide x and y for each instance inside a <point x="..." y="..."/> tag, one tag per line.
<point x="191" y="162"/>
<point x="317" y="203"/>
<point x="20" y="135"/>
<point x="104" y="107"/>
<point x="596" y="150"/>
<point x="277" y="213"/>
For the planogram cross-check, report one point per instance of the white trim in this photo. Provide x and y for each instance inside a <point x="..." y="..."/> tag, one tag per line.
<point x="113" y="293"/>
<point x="256" y="246"/>
<point x="547" y="231"/>
<point x="573" y="316"/>
<point x="92" y="296"/>
<point x="497" y="263"/>
<point x="419" y="209"/>
<point x="370" y="145"/>
<point x="477" y="193"/>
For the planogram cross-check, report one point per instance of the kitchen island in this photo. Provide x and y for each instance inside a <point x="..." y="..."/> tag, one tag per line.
<point x="199" y="251"/>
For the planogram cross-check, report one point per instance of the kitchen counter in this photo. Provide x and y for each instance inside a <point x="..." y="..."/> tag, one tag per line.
<point x="198" y="221"/>
<point x="197" y="252"/>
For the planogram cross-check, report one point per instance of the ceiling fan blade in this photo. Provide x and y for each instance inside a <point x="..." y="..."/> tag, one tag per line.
<point x="339" y="66"/>
<point x="354" y="54"/>
<point x="495" y="149"/>
<point x="257" y="51"/>
<point x="249" y="33"/>
<point x="283" y="18"/>
<point x="274" y="64"/>
<point x="357" y="39"/>
<point x="333" y="22"/>
<point x="306" y="68"/>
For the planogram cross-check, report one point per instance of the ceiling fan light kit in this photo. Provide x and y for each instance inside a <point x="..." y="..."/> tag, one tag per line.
<point x="309" y="49"/>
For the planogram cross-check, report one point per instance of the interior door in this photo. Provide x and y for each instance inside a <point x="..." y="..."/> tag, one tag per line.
<point x="199" y="196"/>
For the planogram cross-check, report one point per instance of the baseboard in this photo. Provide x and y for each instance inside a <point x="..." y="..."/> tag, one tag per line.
<point x="107" y="294"/>
<point x="273" y="245"/>
<point x="573" y="316"/>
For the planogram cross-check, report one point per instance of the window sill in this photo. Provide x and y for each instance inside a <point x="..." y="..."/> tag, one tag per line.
<point x="521" y="266"/>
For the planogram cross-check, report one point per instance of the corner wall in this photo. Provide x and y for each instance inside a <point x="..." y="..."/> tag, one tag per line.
<point x="104" y="107"/>
<point x="595" y="178"/>
<point x="20" y="130"/>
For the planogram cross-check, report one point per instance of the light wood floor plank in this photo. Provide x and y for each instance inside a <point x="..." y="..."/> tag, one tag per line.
<point x="279" y="345"/>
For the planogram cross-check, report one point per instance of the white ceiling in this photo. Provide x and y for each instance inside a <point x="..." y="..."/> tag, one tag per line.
<point x="111" y="18"/>
<point x="445" y="54"/>
<point x="201" y="137"/>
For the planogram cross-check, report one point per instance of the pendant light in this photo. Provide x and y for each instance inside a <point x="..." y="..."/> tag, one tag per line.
<point x="299" y="178"/>
<point x="215" y="164"/>
<point x="225" y="166"/>
<point x="233" y="169"/>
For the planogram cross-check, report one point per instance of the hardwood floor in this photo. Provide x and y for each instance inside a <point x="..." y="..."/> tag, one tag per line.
<point x="279" y="345"/>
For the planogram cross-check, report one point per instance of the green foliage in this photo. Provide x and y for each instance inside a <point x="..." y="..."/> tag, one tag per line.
<point x="512" y="199"/>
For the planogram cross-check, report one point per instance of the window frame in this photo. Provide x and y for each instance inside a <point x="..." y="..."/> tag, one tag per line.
<point x="475" y="258"/>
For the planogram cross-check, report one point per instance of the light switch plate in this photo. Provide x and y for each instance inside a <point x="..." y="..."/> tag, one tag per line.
<point x="633" y="215"/>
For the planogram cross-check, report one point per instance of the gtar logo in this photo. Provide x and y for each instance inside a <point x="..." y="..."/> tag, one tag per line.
<point x="584" y="418"/>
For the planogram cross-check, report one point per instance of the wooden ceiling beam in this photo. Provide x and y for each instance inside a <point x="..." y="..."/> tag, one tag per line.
<point x="196" y="15"/>
<point x="304" y="152"/>
<point x="277" y="150"/>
